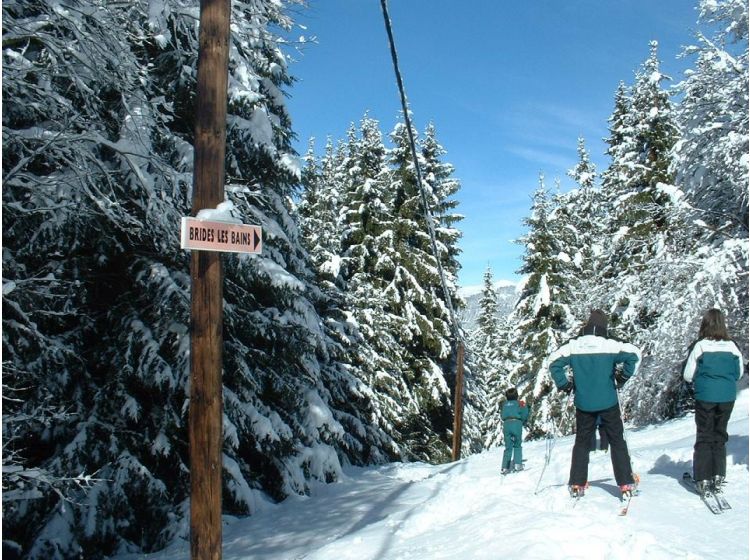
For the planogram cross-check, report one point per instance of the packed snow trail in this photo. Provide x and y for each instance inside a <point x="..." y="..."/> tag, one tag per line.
<point x="467" y="510"/>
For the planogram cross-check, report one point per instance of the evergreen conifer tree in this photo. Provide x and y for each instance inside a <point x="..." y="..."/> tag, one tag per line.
<point x="488" y="349"/>
<point x="318" y="213"/>
<point x="585" y="228"/>
<point x="711" y="159"/>
<point x="542" y="316"/>
<point x="369" y="258"/>
<point x="640" y="146"/>
<point x="96" y="304"/>
<point x="488" y="320"/>
<point x="415" y="291"/>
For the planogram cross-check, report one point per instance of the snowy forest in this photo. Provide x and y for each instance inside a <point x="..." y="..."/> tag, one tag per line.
<point x="340" y="341"/>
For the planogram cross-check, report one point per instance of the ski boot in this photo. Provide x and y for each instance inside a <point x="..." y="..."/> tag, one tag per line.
<point x="518" y="468"/>
<point x="718" y="490"/>
<point x="718" y="484"/>
<point x="577" y="490"/>
<point x="631" y="489"/>
<point x="703" y="487"/>
<point x="504" y="471"/>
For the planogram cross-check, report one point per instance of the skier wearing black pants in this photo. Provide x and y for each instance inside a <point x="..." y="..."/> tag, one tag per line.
<point x="714" y="365"/>
<point x="599" y="366"/>
<point x="613" y="428"/>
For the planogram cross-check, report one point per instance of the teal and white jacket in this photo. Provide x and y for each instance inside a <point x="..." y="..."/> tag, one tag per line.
<point x="714" y="366"/>
<point x="515" y="410"/>
<point x="592" y="360"/>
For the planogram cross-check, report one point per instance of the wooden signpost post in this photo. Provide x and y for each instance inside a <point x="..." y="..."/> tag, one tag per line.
<point x="207" y="286"/>
<point x="207" y="240"/>
<point x="458" y="408"/>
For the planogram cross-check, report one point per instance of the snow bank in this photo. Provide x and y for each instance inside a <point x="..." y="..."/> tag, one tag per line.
<point x="466" y="510"/>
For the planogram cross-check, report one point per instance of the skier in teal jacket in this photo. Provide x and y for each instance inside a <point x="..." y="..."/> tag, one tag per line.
<point x="599" y="366"/>
<point x="714" y="365"/>
<point x="515" y="414"/>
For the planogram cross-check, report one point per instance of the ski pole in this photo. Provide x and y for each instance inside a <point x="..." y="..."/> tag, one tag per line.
<point x="549" y="446"/>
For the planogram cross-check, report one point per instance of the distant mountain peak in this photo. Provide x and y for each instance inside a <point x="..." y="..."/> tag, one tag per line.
<point x="507" y="296"/>
<point x="468" y="291"/>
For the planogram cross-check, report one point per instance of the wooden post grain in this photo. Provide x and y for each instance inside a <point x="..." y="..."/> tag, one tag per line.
<point x="206" y="273"/>
<point x="458" y="408"/>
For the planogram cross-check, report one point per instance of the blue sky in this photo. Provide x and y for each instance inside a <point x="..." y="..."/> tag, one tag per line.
<point x="510" y="87"/>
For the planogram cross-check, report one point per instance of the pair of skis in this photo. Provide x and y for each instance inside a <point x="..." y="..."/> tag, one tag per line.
<point x="625" y="499"/>
<point x="713" y="498"/>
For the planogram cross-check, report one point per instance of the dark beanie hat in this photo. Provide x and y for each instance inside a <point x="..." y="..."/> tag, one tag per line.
<point x="511" y="394"/>
<point x="597" y="319"/>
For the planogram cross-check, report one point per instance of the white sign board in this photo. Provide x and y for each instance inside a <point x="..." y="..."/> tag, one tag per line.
<point x="203" y="235"/>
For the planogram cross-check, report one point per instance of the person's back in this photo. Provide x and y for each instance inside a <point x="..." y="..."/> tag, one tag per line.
<point x="515" y="410"/>
<point x="714" y="366"/>
<point x="593" y="359"/>
<point x="514" y="414"/>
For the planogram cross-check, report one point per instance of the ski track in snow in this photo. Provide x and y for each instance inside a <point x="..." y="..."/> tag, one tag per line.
<point x="466" y="510"/>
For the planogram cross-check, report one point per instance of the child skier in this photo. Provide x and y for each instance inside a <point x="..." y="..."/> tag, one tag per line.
<point x="515" y="413"/>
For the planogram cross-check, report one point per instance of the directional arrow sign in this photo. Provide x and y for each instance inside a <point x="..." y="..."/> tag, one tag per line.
<point x="203" y="235"/>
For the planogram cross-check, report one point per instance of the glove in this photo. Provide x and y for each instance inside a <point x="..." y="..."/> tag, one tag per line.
<point x="568" y="387"/>
<point x="620" y="380"/>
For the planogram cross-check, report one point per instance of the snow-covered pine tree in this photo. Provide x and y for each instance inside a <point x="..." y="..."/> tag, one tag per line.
<point x="619" y="141"/>
<point x="640" y="146"/>
<point x="442" y="187"/>
<point x="489" y="351"/>
<point x="542" y="317"/>
<point x="584" y="172"/>
<point x="655" y="131"/>
<point x="587" y="221"/>
<point x="368" y="258"/>
<point x="318" y="212"/>
<point x="411" y="289"/>
<point x="81" y="128"/>
<point x="645" y="229"/>
<point x="97" y="138"/>
<point x="711" y="159"/>
<point x="703" y="261"/>
<point x="651" y="237"/>
<point x="292" y="412"/>
<point x="310" y="200"/>
<point x="416" y="290"/>
<point x="487" y="321"/>
<point x="564" y="222"/>
<point x="643" y="133"/>
<point x="662" y="272"/>
<point x="438" y="176"/>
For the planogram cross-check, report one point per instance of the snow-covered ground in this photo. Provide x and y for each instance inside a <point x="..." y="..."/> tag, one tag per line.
<point x="466" y="510"/>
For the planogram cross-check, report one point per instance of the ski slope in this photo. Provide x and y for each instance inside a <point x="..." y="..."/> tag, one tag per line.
<point x="466" y="510"/>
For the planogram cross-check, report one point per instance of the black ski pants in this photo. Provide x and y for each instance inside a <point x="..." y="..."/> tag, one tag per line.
<point x="710" y="451"/>
<point x="611" y="423"/>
